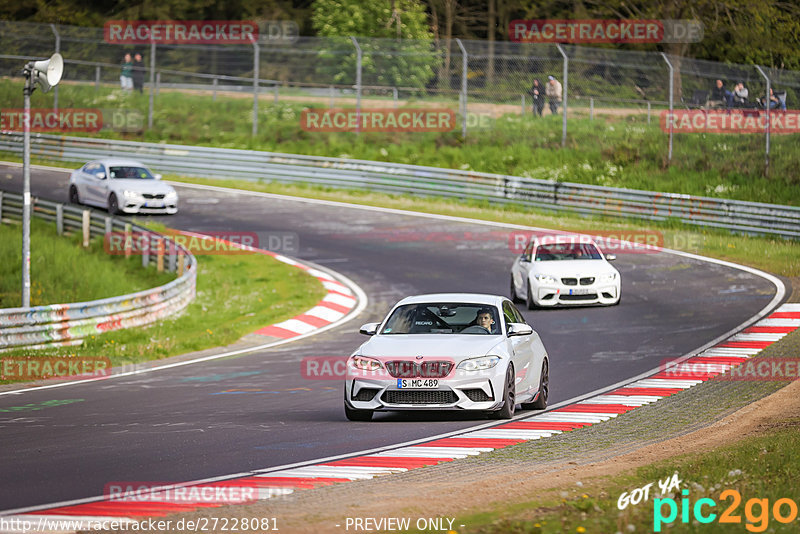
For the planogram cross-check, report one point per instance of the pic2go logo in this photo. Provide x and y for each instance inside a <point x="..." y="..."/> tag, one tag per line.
<point x="756" y="511"/>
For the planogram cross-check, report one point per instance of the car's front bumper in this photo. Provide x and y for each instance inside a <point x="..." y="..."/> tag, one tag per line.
<point x="462" y="392"/>
<point x="139" y="205"/>
<point x="558" y="294"/>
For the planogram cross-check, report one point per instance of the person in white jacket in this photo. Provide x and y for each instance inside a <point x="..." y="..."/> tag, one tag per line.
<point x="553" y="93"/>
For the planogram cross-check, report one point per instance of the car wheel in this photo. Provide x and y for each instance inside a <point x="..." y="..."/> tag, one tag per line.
<point x="354" y="414"/>
<point x="113" y="205"/>
<point x="529" y="301"/>
<point x="73" y="195"/>
<point x="544" y="390"/>
<point x="513" y="291"/>
<point x="509" y="396"/>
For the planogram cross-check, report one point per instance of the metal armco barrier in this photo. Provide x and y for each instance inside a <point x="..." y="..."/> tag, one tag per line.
<point x="739" y="216"/>
<point x="67" y="324"/>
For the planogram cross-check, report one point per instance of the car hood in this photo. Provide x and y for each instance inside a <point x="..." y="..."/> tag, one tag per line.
<point x="453" y="346"/>
<point x="572" y="268"/>
<point x="140" y="186"/>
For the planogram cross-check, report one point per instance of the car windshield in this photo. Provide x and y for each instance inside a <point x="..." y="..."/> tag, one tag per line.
<point x="443" y="318"/>
<point x="567" y="251"/>
<point x="137" y="173"/>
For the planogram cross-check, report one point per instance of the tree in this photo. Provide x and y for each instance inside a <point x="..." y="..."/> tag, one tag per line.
<point x="394" y="35"/>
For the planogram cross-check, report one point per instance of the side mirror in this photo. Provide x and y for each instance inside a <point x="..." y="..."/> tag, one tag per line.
<point x="101" y="175"/>
<point x="157" y="176"/>
<point x="524" y="259"/>
<point x="519" y="329"/>
<point x="611" y="257"/>
<point x="369" y="329"/>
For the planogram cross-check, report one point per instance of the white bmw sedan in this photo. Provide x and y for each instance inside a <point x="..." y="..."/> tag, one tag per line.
<point x="449" y="351"/>
<point x="121" y="186"/>
<point x="564" y="270"/>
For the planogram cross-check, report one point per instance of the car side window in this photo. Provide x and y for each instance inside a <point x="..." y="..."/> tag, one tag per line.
<point x="528" y="252"/>
<point x="508" y="314"/>
<point x="518" y="318"/>
<point x="91" y="168"/>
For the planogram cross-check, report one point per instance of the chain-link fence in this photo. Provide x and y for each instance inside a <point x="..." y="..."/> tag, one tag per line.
<point x="475" y="78"/>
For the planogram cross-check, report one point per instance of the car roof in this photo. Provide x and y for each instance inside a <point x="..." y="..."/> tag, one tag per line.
<point x="555" y="239"/>
<point x="472" y="298"/>
<point x="118" y="162"/>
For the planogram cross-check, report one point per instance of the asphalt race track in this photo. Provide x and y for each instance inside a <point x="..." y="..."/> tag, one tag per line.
<point x="256" y="411"/>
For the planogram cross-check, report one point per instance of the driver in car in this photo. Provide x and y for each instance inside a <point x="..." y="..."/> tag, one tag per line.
<point x="485" y="320"/>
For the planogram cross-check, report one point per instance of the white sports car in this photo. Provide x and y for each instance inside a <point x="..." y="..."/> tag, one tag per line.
<point x="564" y="270"/>
<point x="448" y="351"/>
<point x="121" y="186"/>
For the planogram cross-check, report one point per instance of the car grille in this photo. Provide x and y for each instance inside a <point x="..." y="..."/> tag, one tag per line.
<point x="419" y="396"/>
<point x="366" y="394"/>
<point x="150" y="196"/>
<point x="409" y="369"/>
<point x="569" y="281"/>
<point x="587" y="281"/>
<point x="476" y="395"/>
<point x="590" y="296"/>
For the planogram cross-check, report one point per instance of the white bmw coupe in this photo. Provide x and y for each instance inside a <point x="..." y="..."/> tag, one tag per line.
<point x="564" y="270"/>
<point x="449" y="351"/>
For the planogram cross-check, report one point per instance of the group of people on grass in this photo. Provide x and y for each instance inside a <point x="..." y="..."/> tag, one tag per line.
<point x="132" y="75"/>
<point x="739" y="98"/>
<point x="552" y="92"/>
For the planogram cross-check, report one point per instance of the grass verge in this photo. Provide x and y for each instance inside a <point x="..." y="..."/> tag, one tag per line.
<point x="236" y="295"/>
<point x="617" y="151"/>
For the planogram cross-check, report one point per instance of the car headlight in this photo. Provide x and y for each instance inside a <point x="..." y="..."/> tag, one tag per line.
<point x="365" y="364"/>
<point x="171" y="195"/>
<point x="546" y="279"/>
<point x="131" y="194"/>
<point x="608" y="277"/>
<point x="479" y="364"/>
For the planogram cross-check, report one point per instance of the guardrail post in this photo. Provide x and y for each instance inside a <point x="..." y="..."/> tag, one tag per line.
<point x="214" y="83"/>
<point x="564" y="93"/>
<point x="148" y="240"/>
<point x="109" y="224"/>
<point x="671" y="117"/>
<point x="86" y="227"/>
<point x="128" y="239"/>
<point x="97" y="77"/>
<point x="60" y="219"/>
<point x="1" y="207"/>
<point x="181" y="264"/>
<point x="160" y="254"/>
<point x="172" y="256"/>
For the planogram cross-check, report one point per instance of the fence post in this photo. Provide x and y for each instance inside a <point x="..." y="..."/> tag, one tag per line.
<point x="648" y="113"/>
<point x="394" y="96"/>
<point x="256" y="64"/>
<point x="128" y="240"/>
<point x="109" y="224"/>
<point x="158" y="82"/>
<point x="58" y="49"/>
<point x="564" y="93"/>
<point x="60" y="219"/>
<point x="181" y="266"/>
<point x="591" y="108"/>
<point x="172" y="257"/>
<point x="769" y="126"/>
<point x="464" y="64"/>
<point x="160" y="254"/>
<point x="358" y="83"/>
<point x="277" y="85"/>
<point x="671" y="117"/>
<point x="146" y="249"/>
<point x="86" y="220"/>
<point x="1" y="207"/>
<point x="523" y="104"/>
<point x="97" y="77"/>
<point x="152" y="83"/>
<point x="331" y="103"/>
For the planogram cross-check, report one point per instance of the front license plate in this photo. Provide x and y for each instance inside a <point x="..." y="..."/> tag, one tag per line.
<point x="579" y="291"/>
<point x="417" y="383"/>
<point x="152" y="204"/>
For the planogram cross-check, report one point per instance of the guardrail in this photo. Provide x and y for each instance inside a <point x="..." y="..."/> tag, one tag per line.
<point x="67" y="324"/>
<point x="739" y="216"/>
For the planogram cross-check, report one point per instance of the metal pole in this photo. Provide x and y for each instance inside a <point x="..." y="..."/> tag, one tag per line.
<point x="648" y="113"/>
<point x="158" y="82"/>
<point x="671" y="117"/>
<point x="256" y="62"/>
<point x="394" y="96"/>
<point x="26" y="189"/>
<point x="769" y="126"/>
<point x="152" y="84"/>
<point x="97" y="77"/>
<point x="464" y="64"/>
<point x="358" y="83"/>
<point x="523" y="105"/>
<point x="591" y="108"/>
<point x="565" y="75"/>
<point x="214" y="90"/>
<point x="331" y="103"/>
<point x="277" y="87"/>
<point x="58" y="49"/>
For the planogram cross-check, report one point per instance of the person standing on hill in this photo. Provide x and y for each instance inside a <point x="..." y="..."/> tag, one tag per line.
<point x="125" y="79"/>
<point x="138" y="72"/>
<point x="553" y="94"/>
<point x="537" y="94"/>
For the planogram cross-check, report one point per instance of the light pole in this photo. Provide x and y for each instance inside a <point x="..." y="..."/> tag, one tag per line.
<point x="45" y="74"/>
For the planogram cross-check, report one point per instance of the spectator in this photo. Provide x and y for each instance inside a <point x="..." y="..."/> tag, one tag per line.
<point x="537" y="93"/>
<point x="740" y="95"/>
<point x="553" y="93"/>
<point x="125" y="79"/>
<point x="774" y="101"/>
<point x="138" y="72"/>
<point x="720" y="97"/>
